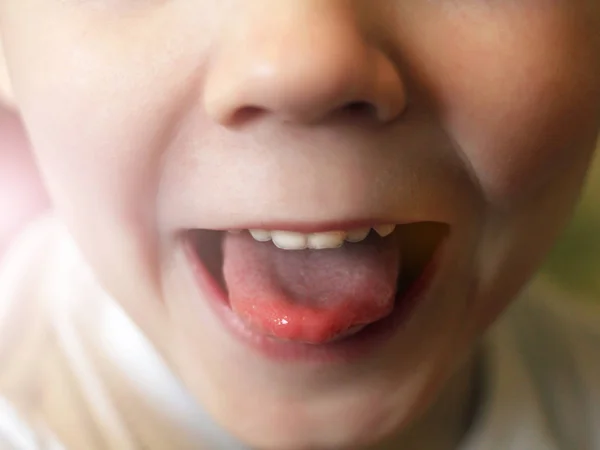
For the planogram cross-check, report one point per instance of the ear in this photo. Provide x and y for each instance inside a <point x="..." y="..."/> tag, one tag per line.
<point x="22" y="195"/>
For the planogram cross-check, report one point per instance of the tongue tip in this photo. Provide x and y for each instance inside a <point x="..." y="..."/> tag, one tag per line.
<point x="297" y="323"/>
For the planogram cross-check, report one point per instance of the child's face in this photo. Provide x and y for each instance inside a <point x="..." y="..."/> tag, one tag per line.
<point x="151" y="118"/>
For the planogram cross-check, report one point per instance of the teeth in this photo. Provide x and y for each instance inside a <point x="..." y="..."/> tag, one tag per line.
<point x="332" y="239"/>
<point x="261" y="235"/>
<point x="360" y="234"/>
<point x="384" y="230"/>
<point x="288" y="240"/>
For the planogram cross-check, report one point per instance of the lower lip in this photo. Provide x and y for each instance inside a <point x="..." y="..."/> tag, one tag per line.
<point x="348" y="349"/>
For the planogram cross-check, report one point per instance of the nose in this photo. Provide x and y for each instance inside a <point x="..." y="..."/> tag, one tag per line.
<point x="303" y="62"/>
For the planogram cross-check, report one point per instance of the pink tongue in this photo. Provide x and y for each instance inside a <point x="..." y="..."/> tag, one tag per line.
<point x="310" y="295"/>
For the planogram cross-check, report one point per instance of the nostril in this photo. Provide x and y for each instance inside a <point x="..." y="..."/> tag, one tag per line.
<point x="245" y="115"/>
<point x="360" y="108"/>
<point x="356" y="109"/>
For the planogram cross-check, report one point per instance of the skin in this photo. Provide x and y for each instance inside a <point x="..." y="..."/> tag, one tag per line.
<point x="152" y="117"/>
<point x="22" y="195"/>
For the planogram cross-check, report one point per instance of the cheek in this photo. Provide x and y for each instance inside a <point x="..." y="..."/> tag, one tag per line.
<point x="517" y="90"/>
<point x="100" y="112"/>
<point x="517" y="152"/>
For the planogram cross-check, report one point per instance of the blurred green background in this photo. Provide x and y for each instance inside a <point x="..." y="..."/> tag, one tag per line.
<point x="574" y="264"/>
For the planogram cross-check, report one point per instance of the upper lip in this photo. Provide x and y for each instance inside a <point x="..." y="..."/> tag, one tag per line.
<point x="316" y="227"/>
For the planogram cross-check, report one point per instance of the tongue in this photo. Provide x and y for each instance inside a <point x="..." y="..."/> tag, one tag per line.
<point x="311" y="296"/>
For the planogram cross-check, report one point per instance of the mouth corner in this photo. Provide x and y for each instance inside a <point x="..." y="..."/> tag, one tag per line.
<point x="420" y="243"/>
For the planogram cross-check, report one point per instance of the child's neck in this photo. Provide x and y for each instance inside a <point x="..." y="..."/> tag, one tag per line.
<point x="446" y="423"/>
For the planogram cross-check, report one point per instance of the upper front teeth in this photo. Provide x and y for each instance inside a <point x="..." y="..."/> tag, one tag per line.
<point x="289" y="240"/>
<point x="261" y="235"/>
<point x="360" y="234"/>
<point x="385" y="230"/>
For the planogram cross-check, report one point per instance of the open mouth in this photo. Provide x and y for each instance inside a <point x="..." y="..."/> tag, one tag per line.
<point x="318" y="289"/>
